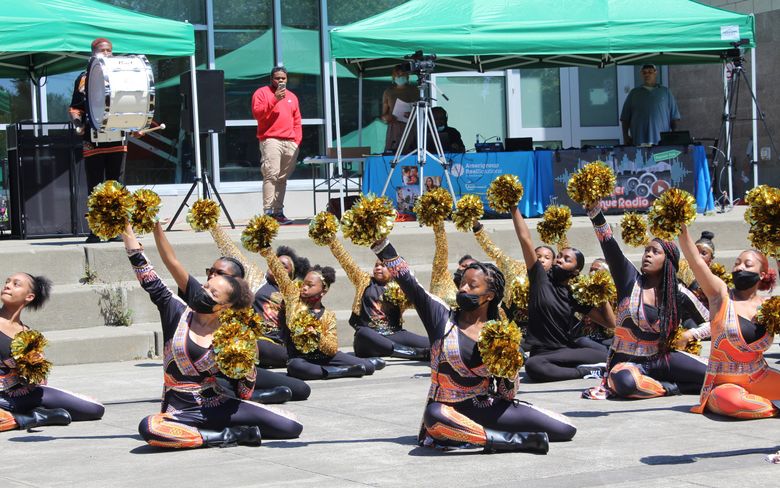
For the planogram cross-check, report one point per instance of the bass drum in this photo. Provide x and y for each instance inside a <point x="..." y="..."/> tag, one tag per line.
<point x="120" y="93"/>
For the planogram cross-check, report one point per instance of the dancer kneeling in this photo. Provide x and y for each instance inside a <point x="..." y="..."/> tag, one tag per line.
<point x="465" y="403"/>
<point x="739" y="383"/>
<point x="25" y="399"/>
<point x="196" y="410"/>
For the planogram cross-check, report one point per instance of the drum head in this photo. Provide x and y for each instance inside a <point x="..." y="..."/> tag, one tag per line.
<point x="96" y="92"/>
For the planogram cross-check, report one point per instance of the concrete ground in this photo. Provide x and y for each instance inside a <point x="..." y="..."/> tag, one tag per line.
<point x="361" y="432"/>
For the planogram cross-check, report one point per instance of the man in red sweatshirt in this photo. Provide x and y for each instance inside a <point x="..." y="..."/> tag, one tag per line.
<point x="279" y="130"/>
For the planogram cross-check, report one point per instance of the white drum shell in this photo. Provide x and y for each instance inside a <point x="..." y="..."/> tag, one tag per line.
<point x="120" y="93"/>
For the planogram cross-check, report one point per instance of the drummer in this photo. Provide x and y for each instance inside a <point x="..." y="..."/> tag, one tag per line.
<point x="102" y="161"/>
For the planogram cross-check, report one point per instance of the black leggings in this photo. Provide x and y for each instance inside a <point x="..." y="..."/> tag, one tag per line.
<point x="561" y="364"/>
<point x="102" y="167"/>
<point x="466" y="421"/>
<point x="271" y="354"/>
<point x="269" y="379"/>
<point x="79" y="407"/>
<point x="307" y="369"/>
<point x="369" y="343"/>
<point x="642" y="380"/>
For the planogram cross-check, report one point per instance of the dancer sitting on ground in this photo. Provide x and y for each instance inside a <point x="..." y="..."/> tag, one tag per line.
<point x="463" y="406"/>
<point x="651" y="306"/>
<point x="196" y="410"/>
<point x="554" y="354"/>
<point x="26" y="404"/>
<point x="739" y="383"/>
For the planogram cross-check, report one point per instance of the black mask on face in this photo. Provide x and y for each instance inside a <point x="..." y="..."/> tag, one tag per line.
<point x="202" y="302"/>
<point x="457" y="277"/>
<point x="468" y="302"/>
<point x="560" y="275"/>
<point x="744" y="279"/>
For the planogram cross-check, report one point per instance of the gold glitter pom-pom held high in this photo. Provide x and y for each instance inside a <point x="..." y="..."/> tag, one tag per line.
<point x="633" y="230"/>
<point x="145" y="209"/>
<point x="554" y="225"/>
<point x="504" y="193"/>
<point x="27" y="352"/>
<point x="769" y="315"/>
<point x="369" y="220"/>
<point x="109" y="208"/>
<point x="433" y="207"/>
<point x="499" y="346"/>
<point x="591" y="183"/>
<point x="203" y="215"/>
<point x="763" y="215"/>
<point x="260" y="232"/>
<point x="670" y="211"/>
<point x="468" y="211"/>
<point x="323" y="228"/>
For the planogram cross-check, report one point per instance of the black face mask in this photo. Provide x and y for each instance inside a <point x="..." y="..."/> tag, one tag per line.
<point x="468" y="302"/>
<point x="560" y="275"/>
<point x="202" y="302"/>
<point x="457" y="277"/>
<point x="744" y="279"/>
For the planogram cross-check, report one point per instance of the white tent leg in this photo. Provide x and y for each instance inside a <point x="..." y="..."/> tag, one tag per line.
<point x="360" y="109"/>
<point x="756" y="151"/>
<point x="196" y="125"/>
<point x="342" y="180"/>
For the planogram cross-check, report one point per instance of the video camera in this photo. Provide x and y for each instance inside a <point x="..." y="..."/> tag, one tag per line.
<point x="735" y="54"/>
<point x="419" y="63"/>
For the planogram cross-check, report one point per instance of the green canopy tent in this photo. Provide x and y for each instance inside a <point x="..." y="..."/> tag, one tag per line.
<point x="483" y="35"/>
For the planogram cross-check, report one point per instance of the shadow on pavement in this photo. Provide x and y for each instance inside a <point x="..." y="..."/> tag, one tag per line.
<point x="692" y="458"/>
<point x="48" y="438"/>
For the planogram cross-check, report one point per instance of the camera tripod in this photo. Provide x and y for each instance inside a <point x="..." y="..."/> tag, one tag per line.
<point x="421" y="117"/>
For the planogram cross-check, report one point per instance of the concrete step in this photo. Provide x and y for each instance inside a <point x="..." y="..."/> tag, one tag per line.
<point x="103" y="344"/>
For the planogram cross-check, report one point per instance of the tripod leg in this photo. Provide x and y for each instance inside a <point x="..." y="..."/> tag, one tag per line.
<point x="440" y="157"/>
<point x="399" y="150"/>
<point x="183" y="203"/>
<point x="208" y="184"/>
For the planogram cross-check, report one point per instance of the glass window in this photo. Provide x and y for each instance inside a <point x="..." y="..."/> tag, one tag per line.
<point x="193" y="11"/>
<point x="343" y="12"/>
<point x="243" y="14"/>
<point x="301" y="54"/>
<point x="540" y="96"/>
<point x="15" y="106"/>
<point x="598" y="97"/>
<point x="247" y="59"/>
<point x="600" y="142"/>
<point x="477" y="105"/>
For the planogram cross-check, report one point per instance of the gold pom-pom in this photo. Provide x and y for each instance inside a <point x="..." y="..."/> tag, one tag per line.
<point x="763" y="215"/>
<point x="693" y="346"/>
<point x="633" y="230"/>
<point x="685" y="273"/>
<point x="672" y="209"/>
<point x="203" y="215"/>
<point x="468" y="211"/>
<point x="235" y="349"/>
<point x="259" y="233"/>
<point x="249" y="320"/>
<point x="769" y="315"/>
<point x="147" y="205"/>
<point x="554" y="225"/>
<point x="505" y="193"/>
<point x="594" y="289"/>
<point x="395" y="295"/>
<point x="305" y="332"/>
<point x="433" y="207"/>
<point x="323" y="228"/>
<point x="720" y="271"/>
<point x="27" y="352"/>
<point x="591" y="183"/>
<point x="110" y="205"/>
<point x="517" y="297"/>
<point x="369" y="220"/>
<point x="499" y="346"/>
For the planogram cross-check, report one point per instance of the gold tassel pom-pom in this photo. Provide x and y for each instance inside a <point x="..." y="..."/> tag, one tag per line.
<point x="720" y="271"/>
<point x="249" y="320"/>
<point x="203" y="215"/>
<point x="505" y="193"/>
<point x="305" y="332"/>
<point x="259" y="233"/>
<point x="685" y="273"/>
<point x="110" y="205"/>
<point x="594" y="289"/>
<point x="763" y="215"/>
<point x="27" y="352"/>
<point x="517" y="297"/>
<point x="769" y="315"/>
<point x="633" y="230"/>
<point x="433" y="207"/>
<point x="147" y="206"/>
<point x="670" y="211"/>
<point x="554" y="225"/>
<point x="468" y="211"/>
<point x="692" y="347"/>
<point x="395" y="295"/>
<point x="369" y="220"/>
<point x="323" y="228"/>
<point x="499" y="346"/>
<point x="235" y="350"/>
<point x="591" y="183"/>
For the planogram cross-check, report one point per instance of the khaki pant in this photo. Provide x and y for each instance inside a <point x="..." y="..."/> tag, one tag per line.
<point x="277" y="163"/>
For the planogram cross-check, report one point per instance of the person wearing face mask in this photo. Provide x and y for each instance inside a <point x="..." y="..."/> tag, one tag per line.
<point x="466" y="405"/>
<point x="401" y="90"/>
<point x="24" y="404"/>
<point x="739" y="382"/>
<point x="197" y="410"/>
<point x="554" y="353"/>
<point x="652" y="304"/>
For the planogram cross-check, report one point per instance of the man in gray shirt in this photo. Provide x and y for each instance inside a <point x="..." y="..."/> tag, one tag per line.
<point x="649" y="110"/>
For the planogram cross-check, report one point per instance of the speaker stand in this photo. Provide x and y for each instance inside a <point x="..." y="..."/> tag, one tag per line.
<point x="207" y="184"/>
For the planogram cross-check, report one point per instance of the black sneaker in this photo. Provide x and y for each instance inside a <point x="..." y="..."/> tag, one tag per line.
<point x="92" y="239"/>
<point x="282" y="219"/>
<point x="592" y="371"/>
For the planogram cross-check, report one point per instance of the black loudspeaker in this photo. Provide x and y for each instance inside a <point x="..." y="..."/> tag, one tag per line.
<point x="43" y="172"/>
<point x="334" y="204"/>
<point x="211" y="100"/>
